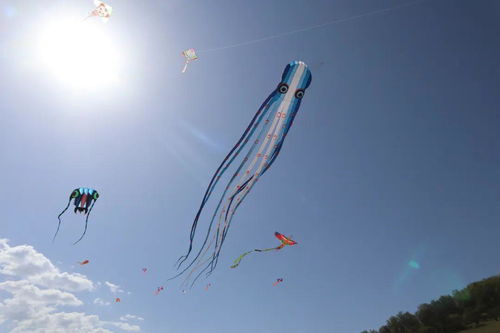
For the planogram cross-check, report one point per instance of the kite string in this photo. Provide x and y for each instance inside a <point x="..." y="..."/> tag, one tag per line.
<point x="317" y="26"/>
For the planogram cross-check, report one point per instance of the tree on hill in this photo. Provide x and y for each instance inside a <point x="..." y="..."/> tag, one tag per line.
<point x="477" y="302"/>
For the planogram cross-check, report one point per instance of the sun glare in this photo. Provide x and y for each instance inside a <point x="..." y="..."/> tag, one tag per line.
<point x="79" y="54"/>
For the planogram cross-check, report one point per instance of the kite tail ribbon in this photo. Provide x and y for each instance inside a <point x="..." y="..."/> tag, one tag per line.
<point x="236" y="263"/>
<point x="92" y="13"/>
<point x="185" y="66"/>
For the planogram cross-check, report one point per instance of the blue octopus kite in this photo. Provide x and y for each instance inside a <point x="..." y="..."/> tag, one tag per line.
<point x="84" y="200"/>
<point x="259" y="145"/>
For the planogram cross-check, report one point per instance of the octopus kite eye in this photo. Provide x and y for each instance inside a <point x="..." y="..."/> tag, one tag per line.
<point x="96" y="196"/>
<point x="75" y="194"/>
<point x="299" y="93"/>
<point x="283" y="88"/>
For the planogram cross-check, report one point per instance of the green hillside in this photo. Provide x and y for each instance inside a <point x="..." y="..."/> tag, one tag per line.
<point x="464" y="311"/>
<point x="487" y="327"/>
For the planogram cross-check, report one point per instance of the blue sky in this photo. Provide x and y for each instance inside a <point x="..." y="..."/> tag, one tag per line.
<point x="393" y="158"/>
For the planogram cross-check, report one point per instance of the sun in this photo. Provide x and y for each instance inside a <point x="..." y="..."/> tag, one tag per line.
<point x="81" y="55"/>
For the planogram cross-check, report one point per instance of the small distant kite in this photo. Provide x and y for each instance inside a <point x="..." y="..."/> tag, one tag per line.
<point x="278" y="281"/>
<point x="144" y="270"/>
<point x="190" y="55"/>
<point x="208" y="286"/>
<point x="159" y="290"/>
<point x="414" y="264"/>
<point x="85" y="262"/>
<point x="101" y="10"/>
<point x="84" y="200"/>
<point x="117" y="300"/>
<point x="284" y="242"/>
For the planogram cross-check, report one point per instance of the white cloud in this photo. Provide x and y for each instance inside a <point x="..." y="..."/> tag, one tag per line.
<point x="126" y="326"/>
<point x="28" y="301"/>
<point x="62" y="322"/>
<point x="128" y="317"/>
<point x="38" y="293"/>
<point x="26" y="263"/>
<point x="101" y="302"/>
<point x="113" y="287"/>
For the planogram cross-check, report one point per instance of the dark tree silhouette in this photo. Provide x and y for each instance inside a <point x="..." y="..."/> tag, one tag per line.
<point x="477" y="302"/>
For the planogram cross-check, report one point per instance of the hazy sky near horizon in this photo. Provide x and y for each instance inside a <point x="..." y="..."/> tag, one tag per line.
<point x="389" y="178"/>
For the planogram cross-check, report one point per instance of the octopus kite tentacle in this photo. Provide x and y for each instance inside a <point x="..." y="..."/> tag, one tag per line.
<point x="264" y="108"/>
<point x="242" y="186"/>
<point x="59" y="218"/>
<point x="271" y="149"/>
<point x="86" y="223"/>
<point x="236" y="173"/>
<point x="218" y="173"/>
<point x="224" y="193"/>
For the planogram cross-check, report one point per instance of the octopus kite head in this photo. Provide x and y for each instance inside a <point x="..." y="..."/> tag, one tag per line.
<point x="295" y="80"/>
<point x="83" y="198"/>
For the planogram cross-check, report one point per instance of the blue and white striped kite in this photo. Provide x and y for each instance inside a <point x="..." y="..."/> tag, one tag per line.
<point x="256" y="151"/>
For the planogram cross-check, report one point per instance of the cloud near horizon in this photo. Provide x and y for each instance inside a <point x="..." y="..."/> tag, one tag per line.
<point x="38" y="294"/>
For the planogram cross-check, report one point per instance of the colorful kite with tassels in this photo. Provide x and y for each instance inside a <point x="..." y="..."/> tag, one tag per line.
<point x="284" y="242"/>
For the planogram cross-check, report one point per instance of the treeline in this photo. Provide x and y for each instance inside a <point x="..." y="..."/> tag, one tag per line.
<point x="479" y="301"/>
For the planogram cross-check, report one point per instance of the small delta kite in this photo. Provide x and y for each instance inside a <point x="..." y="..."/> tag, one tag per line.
<point x="84" y="200"/>
<point x="278" y="281"/>
<point x="159" y="290"/>
<point x="85" y="262"/>
<point x="284" y="242"/>
<point x="190" y="55"/>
